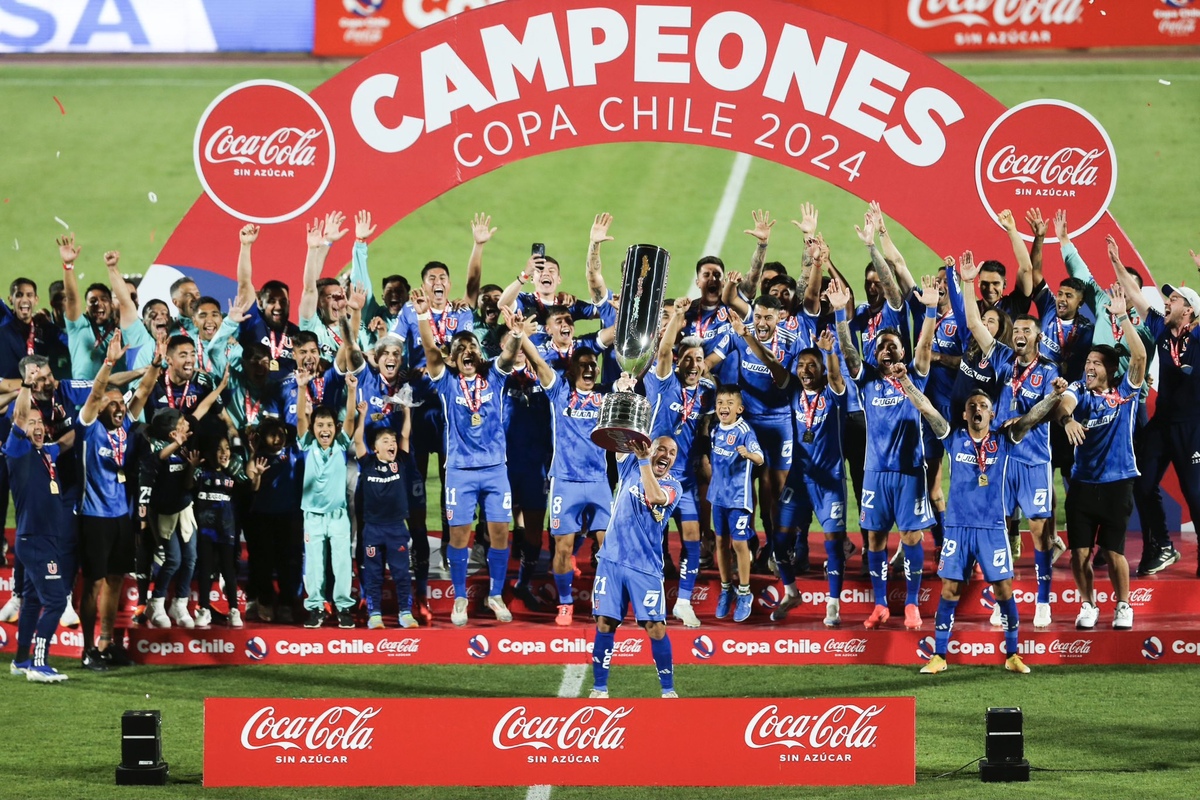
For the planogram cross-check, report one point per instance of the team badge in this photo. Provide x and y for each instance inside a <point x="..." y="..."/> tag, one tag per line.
<point x="394" y="467"/>
<point x="1035" y="380"/>
<point x="730" y="439"/>
<point x="452" y="323"/>
<point x="370" y="551"/>
<point x="52" y="568"/>
<point x="951" y="329"/>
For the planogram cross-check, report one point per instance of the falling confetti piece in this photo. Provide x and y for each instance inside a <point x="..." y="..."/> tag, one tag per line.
<point x="16" y="245"/>
<point x="147" y="697"/>
<point x="60" y="106"/>
<point x="60" y="222"/>
<point x="57" y="153"/>
<point x="153" y="197"/>
<point x="1164" y="82"/>
<point x="1103" y="13"/>
<point x="152" y="236"/>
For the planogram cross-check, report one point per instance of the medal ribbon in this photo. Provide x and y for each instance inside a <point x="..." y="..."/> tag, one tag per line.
<point x="981" y="454"/>
<point x="276" y="347"/>
<point x="474" y="394"/>
<point x="116" y="440"/>
<point x="171" y="397"/>
<point x="810" y="409"/>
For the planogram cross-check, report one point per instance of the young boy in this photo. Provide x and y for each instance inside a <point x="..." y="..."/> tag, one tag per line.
<point x="323" y="501"/>
<point x="383" y="482"/>
<point x="735" y="453"/>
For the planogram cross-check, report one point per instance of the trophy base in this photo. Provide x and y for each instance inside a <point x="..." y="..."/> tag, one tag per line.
<point x="624" y="421"/>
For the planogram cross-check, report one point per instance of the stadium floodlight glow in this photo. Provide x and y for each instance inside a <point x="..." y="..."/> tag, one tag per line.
<point x="141" y="750"/>
<point x="1004" y="751"/>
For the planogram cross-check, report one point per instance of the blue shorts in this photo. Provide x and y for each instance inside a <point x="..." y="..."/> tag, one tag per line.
<point x="987" y="547"/>
<point x="1028" y="487"/>
<point x="776" y="440"/>
<point x="894" y="498"/>
<point x="616" y="587"/>
<point x="802" y="496"/>
<point x="530" y="487"/>
<point x="734" y="523"/>
<point x="688" y="508"/>
<point x="416" y="486"/>
<point x="579" y="506"/>
<point x="468" y="488"/>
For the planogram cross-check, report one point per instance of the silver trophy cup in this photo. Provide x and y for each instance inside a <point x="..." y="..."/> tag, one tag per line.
<point x="624" y="416"/>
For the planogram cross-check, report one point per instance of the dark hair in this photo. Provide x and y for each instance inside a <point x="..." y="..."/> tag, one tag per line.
<point x="163" y="423"/>
<point x="98" y="287"/>
<point x="177" y="341"/>
<point x="18" y="282"/>
<point x="869" y="269"/>
<point x="271" y="425"/>
<point x="553" y="260"/>
<point x="992" y="265"/>
<point x="578" y="355"/>
<point x="1074" y="284"/>
<point x="490" y="287"/>
<point x="206" y="300"/>
<point x="322" y="411"/>
<point x="784" y="279"/>
<point x="767" y="301"/>
<point x="151" y="304"/>
<point x="979" y="391"/>
<point x="775" y="266"/>
<point x="709" y="260"/>
<point x="323" y="282"/>
<point x="891" y="332"/>
<point x="1112" y="360"/>
<point x="272" y="286"/>
<point x="56" y="287"/>
<point x="303" y="338"/>
<point x="815" y="352"/>
<point x="555" y="310"/>
<point x="461" y="336"/>
<point x="432" y="265"/>
<point x="180" y="281"/>
<point x="255" y="351"/>
<point x="1003" y="332"/>
<point x="391" y="278"/>
<point x="1026" y="318"/>
<point x="1136" y="276"/>
<point x="729" y="389"/>
<point x="380" y="431"/>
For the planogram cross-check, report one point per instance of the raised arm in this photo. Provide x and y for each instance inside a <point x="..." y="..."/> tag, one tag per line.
<point x="1024" y="264"/>
<point x="1037" y="226"/>
<point x="349" y="356"/>
<point x="1039" y="412"/>
<point x="25" y="397"/>
<point x="127" y="312"/>
<point x="655" y="494"/>
<point x="303" y="412"/>
<point x="779" y="373"/>
<point x="545" y="373"/>
<point x="970" y="271"/>
<point x="816" y="255"/>
<point x="731" y="294"/>
<point x="1118" y="309"/>
<point x="833" y="367"/>
<point x="360" y="273"/>
<point x="247" y="236"/>
<point x="142" y="395"/>
<point x="68" y="252"/>
<point x="348" y="420"/>
<point x="205" y="405"/>
<point x="838" y="296"/>
<point x="923" y="356"/>
<point x="95" y="398"/>
<point x="595" y="278"/>
<point x="891" y="253"/>
<point x="435" y="364"/>
<point x="664" y="362"/>
<point x="887" y="278"/>
<point x="360" y="418"/>
<point x="762" y="232"/>
<point x="319" y="238"/>
<point x="1133" y="292"/>
<point x="937" y="422"/>
<point x="508" y="297"/>
<point x="481" y="233"/>
<point x="512" y="344"/>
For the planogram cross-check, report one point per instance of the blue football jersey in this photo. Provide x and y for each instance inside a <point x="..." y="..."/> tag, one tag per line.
<point x="104" y="454"/>
<point x="39" y="510"/>
<point x="972" y="504"/>
<point x="941" y="378"/>
<point x="894" y="442"/>
<point x="1023" y="387"/>
<point x="818" y="419"/>
<point x="1109" y="419"/>
<point x="531" y="305"/>
<point x="760" y="396"/>
<point x="867" y="324"/>
<point x="324" y="390"/>
<point x="560" y="360"/>
<point x="708" y="324"/>
<point x="1065" y="343"/>
<point x="474" y="413"/>
<point x="255" y="329"/>
<point x="384" y="489"/>
<point x="445" y="324"/>
<point x="676" y="411"/>
<point x="731" y="485"/>
<point x="635" y="529"/>
<point x="574" y="415"/>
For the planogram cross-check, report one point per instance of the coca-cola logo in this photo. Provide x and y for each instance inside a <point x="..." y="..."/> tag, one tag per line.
<point x="588" y="728"/>
<point x="1003" y="13"/>
<point x="1051" y="155"/>
<point x="264" y="151"/>
<point x="409" y="645"/>
<point x="839" y="726"/>
<point x="1141" y="595"/>
<point x="846" y="647"/>
<point x="335" y="728"/>
<point x="1074" y="647"/>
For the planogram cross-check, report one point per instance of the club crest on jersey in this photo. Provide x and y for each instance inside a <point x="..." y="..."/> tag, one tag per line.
<point x="992" y="445"/>
<point x="394" y="467"/>
<point x="452" y="323"/>
<point x="730" y="439"/>
<point x="1035" y="380"/>
<point x="821" y="403"/>
<point x="52" y="568"/>
<point x="370" y="551"/>
<point x="722" y="314"/>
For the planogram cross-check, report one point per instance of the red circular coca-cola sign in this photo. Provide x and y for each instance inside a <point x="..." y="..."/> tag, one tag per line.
<point x="1050" y="155"/>
<point x="264" y="151"/>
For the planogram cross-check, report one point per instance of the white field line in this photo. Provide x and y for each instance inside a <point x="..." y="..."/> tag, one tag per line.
<point x="725" y="211"/>
<point x="572" y="682"/>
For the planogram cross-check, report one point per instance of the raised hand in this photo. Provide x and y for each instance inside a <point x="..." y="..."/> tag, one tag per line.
<point x="224" y="384"/>
<point x="303" y="377"/>
<point x="248" y="234"/>
<point x="929" y="291"/>
<point x="362" y="225"/>
<point x="899" y="371"/>
<point x="111" y="259"/>
<point x="948" y="262"/>
<point x="823" y="249"/>
<point x="1192" y="253"/>
<point x="312" y="233"/>
<point x="625" y="383"/>
<point x="681" y="306"/>
<point x="332" y="228"/>
<point x="361" y="408"/>
<point x="1060" y="225"/>
<point x="600" y="228"/>
<point x="115" y="350"/>
<point x="351" y="382"/>
<point x="67" y="250"/>
<point x="1114" y="252"/>
<point x="825" y="341"/>
<point x="876" y="213"/>
<point x="1059" y="385"/>
<point x="866" y="233"/>
<point x="762" y="225"/>
<point x="838" y="293"/>
<point x="737" y="324"/>
<point x="1033" y="217"/>
<point x="418" y="299"/>
<point x="808" y="220"/>
<point x="967" y="267"/>
<point x="481" y="228"/>
<point x="256" y="467"/>
<point x="378" y="326"/>
<point x="733" y="277"/>
<point x="357" y="298"/>
<point x="1117" y="304"/>
<point x="640" y="449"/>
<point x="565" y="299"/>
<point x="193" y="458"/>
<point x="1005" y="218"/>
<point x="239" y="308"/>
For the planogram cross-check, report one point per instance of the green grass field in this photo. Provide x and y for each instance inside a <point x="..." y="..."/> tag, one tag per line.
<point x="1101" y="732"/>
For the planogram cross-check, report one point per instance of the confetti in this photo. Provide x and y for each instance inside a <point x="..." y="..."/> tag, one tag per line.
<point x="1164" y="82"/>
<point x="153" y="197"/>
<point x="57" y="153"/>
<point x="60" y="222"/>
<point x="152" y="236"/>
<point x="147" y="697"/>
<point x="16" y="245"/>
<point x="1103" y="13"/>
<point x="60" y="106"/>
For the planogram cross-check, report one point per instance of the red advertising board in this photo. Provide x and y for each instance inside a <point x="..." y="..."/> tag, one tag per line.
<point x="358" y="27"/>
<point x="562" y="742"/>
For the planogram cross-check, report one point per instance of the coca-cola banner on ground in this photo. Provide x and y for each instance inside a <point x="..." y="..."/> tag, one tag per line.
<point x="516" y="742"/>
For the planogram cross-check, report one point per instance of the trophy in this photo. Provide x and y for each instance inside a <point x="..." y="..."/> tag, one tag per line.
<point x="625" y="416"/>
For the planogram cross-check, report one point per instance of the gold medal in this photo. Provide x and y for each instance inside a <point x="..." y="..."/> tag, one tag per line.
<point x="274" y="365"/>
<point x="476" y="420"/>
<point x="983" y="480"/>
<point x="808" y="437"/>
<point x="120" y="477"/>
<point x="377" y="417"/>
<point x="53" y="487"/>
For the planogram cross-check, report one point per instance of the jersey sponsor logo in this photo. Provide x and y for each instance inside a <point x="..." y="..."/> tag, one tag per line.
<point x="885" y="402"/>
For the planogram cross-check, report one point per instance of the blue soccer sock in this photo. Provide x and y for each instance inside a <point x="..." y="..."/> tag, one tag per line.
<point x="914" y="562"/>
<point x="877" y="562"/>
<point x="457" y="556"/>
<point x="661" y="650"/>
<point x="1009" y="609"/>
<point x="497" y="560"/>
<point x="579" y="540"/>
<point x="602" y="652"/>
<point x="784" y="542"/>
<point x="689" y="569"/>
<point x="563" y="583"/>
<point x="835" y="565"/>
<point x="943" y="622"/>
<point x="1042" y="565"/>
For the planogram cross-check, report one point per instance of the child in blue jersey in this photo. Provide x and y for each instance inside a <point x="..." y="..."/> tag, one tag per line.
<point x="817" y="482"/>
<point x="323" y="500"/>
<point x="975" y="527"/>
<point x="894" y="484"/>
<point x="682" y="403"/>
<point x="1099" y="414"/>
<point x="470" y="390"/>
<point x="219" y="484"/>
<point x="382" y="480"/>
<point x="735" y="452"/>
<point x="33" y="471"/>
<point x="630" y="564"/>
